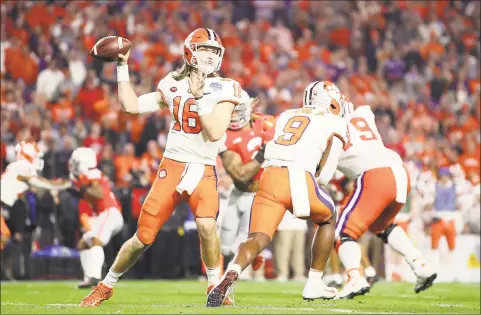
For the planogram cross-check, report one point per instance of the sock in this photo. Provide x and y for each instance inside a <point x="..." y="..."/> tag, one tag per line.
<point x="97" y="261"/>
<point x="315" y="274"/>
<point x="401" y="243"/>
<point x="212" y="275"/>
<point x="369" y="271"/>
<point x="234" y="267"/>
<point x="350" y="255"/>
<point x="85" y="259"/>
<point x="112" y="277"/>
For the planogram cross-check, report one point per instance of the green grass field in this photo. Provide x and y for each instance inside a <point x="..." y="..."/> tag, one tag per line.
<point x="187" y="297"/>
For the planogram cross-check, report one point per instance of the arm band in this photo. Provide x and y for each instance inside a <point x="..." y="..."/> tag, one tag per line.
<point x="123" y="73"/>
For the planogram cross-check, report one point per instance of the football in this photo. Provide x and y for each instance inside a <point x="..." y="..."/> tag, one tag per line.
<point x="108" y="48"/>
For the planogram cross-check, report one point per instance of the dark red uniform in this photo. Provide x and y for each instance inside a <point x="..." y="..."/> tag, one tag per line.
<point x="246" y="142"/>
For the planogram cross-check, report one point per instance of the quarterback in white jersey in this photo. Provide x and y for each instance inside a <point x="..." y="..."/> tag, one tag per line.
<point x="304" y="138"/>
<point x="201" y="105"/>
<point x="381" y="189"/>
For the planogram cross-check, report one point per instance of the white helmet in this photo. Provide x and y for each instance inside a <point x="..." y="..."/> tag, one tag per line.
<point x="242" y="112"/>
<point x="82" y="160"/>
<point x="324" y="94"/>
<point x="29" y="151"/>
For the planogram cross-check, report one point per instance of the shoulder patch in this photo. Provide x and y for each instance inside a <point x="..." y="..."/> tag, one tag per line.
<point x="216" y="86"/>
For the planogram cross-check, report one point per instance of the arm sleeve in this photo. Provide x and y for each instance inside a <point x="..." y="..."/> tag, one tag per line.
<point x="331" y="164"/>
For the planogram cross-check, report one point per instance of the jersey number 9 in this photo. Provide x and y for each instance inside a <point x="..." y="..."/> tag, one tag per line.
<point x="293" y="130"/>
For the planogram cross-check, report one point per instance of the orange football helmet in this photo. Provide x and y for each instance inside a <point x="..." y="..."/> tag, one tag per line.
<point x="203" y="37"/>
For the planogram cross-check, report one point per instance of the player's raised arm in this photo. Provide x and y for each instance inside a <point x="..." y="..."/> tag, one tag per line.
<point x="129" y="101"/>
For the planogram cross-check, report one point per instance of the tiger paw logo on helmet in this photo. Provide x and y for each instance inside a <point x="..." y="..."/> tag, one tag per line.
<point x="162" y="173"/>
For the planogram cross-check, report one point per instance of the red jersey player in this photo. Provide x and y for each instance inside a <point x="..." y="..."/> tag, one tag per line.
<point x="92" y="187"/>
<point x="242" y="158"/>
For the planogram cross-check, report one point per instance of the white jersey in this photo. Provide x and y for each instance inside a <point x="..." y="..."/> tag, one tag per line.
<point x="365" y="150"/>
<point x="11" y="188"/>
<point x="186" y="142"/>
<point x="301" y="137"/>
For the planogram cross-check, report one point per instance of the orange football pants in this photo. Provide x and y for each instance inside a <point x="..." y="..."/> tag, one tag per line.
<point x="371" y="205"/>
<point x="273" y="198"/>
<point x="443" y="228"/>
<point x="163" y="198"/>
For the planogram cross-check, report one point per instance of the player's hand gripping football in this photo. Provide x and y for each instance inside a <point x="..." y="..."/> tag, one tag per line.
<point x="196" y="83"/>
<point x="123" y="59"/>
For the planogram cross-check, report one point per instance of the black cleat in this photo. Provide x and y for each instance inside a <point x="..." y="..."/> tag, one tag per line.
<point x="219" y="293"/>
<point x="372" y="280"/>
<point x="88" y="284"/>
<point x="426" y="283"/>
<point x="359" y="293"/>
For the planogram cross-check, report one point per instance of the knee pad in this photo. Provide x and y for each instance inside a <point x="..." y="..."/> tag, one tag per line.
<point x="385" y="234"/>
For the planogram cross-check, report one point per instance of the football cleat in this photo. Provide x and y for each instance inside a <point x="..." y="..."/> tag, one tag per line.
<point x="99" y="294"/>
<point x="335" y="281"/>
<point x="317" y="289"/>
<point x="88" y="283"/>
<point x="425" y="276"/>
<point x="227" y="302"/>
<point x="355" y="286"/>
<point x="221" y="291"/>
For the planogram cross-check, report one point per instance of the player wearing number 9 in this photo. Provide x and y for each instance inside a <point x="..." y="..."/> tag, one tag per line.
<point x="381" y="188"/>
<point x="304" y="138"/>
<point x="201" y="104"/>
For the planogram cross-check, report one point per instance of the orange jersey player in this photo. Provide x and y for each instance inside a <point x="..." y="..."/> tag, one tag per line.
<point x="93" y="188"/>
<point x="201" y="104"/>
<point x="381" y="189"/>
<point x="242" y="158"/>
<point x="303" y="139"/>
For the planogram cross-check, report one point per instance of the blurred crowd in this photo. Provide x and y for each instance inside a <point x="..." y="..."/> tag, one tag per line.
<point x="415" y="62"/>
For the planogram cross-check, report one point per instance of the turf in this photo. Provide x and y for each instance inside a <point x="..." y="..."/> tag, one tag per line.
<point x="187" y="297"/>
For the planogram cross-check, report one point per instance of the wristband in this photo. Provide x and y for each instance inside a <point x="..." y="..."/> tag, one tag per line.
<point x="123" y="73"/>
<point x="260" y="155"/>
<point x="204" y="108"/>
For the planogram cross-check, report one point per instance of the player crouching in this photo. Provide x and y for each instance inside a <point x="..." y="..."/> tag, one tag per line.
<point x="303" y="137"/>
<point x="93" y="189"/>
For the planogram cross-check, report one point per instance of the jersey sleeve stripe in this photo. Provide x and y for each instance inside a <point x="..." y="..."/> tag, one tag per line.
<point x="162" y="96"/>
<point x="229" y="101"/>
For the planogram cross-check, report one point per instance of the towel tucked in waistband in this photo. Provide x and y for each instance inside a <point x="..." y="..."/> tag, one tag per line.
<point x="191" y="177"/>
<point x="299" y="192"/>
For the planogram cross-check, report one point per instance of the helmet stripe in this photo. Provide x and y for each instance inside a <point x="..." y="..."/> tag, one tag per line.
<point x="208" y="33"/>
<point x="215" y="35"/>
<point x="310" y="91"/>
